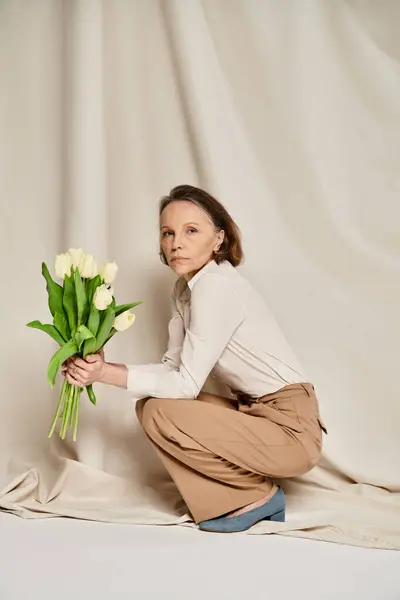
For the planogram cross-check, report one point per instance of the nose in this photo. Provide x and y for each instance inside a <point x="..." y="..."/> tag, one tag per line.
<point x="176" y="244"/>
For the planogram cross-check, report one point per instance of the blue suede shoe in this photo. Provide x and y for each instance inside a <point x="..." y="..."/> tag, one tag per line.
<point x="272" y="510"/>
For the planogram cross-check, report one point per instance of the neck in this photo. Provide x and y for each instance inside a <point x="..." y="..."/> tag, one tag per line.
<point x="191" y="274"/>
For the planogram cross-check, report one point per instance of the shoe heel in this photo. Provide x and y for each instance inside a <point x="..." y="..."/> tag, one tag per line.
<point x="279" y="516"/>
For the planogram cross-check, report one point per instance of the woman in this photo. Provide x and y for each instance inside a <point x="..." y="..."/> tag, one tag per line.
<point x="222" y="453"/>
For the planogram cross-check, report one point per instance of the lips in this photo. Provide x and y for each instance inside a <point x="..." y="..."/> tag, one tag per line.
<point x="178" y="258"/>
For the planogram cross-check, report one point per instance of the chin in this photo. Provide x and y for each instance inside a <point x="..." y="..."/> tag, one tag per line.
<point x="181" y="268"/>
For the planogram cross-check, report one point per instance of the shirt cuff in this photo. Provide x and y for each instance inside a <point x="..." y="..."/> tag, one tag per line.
<point x="141" y="382"/>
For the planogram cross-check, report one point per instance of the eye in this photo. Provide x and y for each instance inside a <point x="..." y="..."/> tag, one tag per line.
<point x="192" y="230"/>
<point x="166" y="233"/>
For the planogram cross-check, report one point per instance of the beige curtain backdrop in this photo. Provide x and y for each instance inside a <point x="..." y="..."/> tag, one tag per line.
<point x="290" y="113"/>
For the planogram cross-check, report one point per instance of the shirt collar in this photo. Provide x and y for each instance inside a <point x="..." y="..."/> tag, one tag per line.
<point x="210" y="267"/>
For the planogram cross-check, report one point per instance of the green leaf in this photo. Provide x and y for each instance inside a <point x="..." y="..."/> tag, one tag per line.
<point x="82" y="334"/>
<point x="94" y="320"/>
<point x="85" y="314"/>
<point x="105" y="328"/>
<point x="49" y="329"/>
<point x="123" y="307"/>
<point x="94" y="345"/>
<point x="110" y="335"/>
<point x="81" y="301"/>
<point x="69" y="303"/>
<point x="89" y="347"/>
<point x="66" y="351"/>
<point x="61" y="323"/>
<point x="91" y="394"/>
<point x="91" y="287"/>
<point x="54" y="291"/>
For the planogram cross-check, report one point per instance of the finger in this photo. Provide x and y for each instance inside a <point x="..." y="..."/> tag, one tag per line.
<point x="70" y="358"/>
<point x="72" y="380"/>
<point x="79" y="362"/>
<point x="91" y="358"/>
<point x="78" y="373"/>
<point x="80" y="376"/>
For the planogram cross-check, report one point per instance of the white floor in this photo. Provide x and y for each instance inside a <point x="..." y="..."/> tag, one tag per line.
<point x="66" y="558"/>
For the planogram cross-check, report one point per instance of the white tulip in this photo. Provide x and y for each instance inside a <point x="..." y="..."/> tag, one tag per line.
<point x="108" y="272"/>
<point x="88" y="266"/>
<point x="62" y="265"/>
<point x="77" y="255"/>
<point x="103" y="296"/>
<point x="124" y="320"/>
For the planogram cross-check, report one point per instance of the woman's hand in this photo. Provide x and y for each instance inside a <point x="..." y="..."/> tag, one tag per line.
<point x="83" y="372"/>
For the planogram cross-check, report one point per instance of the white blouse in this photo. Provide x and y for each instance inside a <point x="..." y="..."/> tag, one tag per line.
<point x="220" y="326"/>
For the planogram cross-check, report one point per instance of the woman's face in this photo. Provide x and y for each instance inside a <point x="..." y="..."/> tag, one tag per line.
<point x="188" y="237"/>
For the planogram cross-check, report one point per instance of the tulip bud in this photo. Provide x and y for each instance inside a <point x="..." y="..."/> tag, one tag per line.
<point x="108" y="272"/>
<point x="124" y="320"/>
<point x="77" y="255"/>
<point x="103" y="296"/>
<point x="62" y="265"/>
<point x="88" y="266"/>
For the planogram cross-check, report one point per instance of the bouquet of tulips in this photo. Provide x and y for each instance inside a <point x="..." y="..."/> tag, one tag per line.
<point x="85" y="318"/>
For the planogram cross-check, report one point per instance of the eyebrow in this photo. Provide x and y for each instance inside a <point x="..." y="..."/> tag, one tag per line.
<point x="189" y="223"/>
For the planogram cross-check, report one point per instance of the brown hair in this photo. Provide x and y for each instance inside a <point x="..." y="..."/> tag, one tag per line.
<point x="231" y="247"/>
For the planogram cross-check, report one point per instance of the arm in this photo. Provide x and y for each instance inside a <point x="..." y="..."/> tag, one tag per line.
<point x="116" y="374"/>
<point x="176" y="331"/>
<point x="216" y="312"/>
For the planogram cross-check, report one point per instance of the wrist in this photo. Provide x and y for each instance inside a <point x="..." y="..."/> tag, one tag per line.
<point x="115" y="374"/>
<point x="104" y="375"/>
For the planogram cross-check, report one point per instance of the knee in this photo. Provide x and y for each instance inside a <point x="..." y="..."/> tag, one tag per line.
<point x="147" y="411"/>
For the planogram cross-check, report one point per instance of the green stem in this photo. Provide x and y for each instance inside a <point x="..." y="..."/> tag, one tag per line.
<point x="70" y="395"/>
<point x="76" y="413"/>
<point x="64" y="413"/>
<point x="71" y="412"/>
<point x="58" y="409"/>
<point x="67" y="410"/>
<point x="73" y="409"/>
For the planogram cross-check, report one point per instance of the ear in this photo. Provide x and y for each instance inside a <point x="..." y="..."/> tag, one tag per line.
<point x="221" y="236"/>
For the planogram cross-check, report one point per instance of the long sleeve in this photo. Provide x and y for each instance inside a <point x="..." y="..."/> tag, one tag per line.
<point x="171" y="358"/>
<point x="215" y="313"/>
<point x="176" y="335"/>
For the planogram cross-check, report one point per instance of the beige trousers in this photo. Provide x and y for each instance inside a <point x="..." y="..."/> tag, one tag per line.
<point x="224" y="454"/>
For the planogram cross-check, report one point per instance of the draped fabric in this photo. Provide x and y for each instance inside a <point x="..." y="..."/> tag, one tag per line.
<point x="289" y="113"/>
